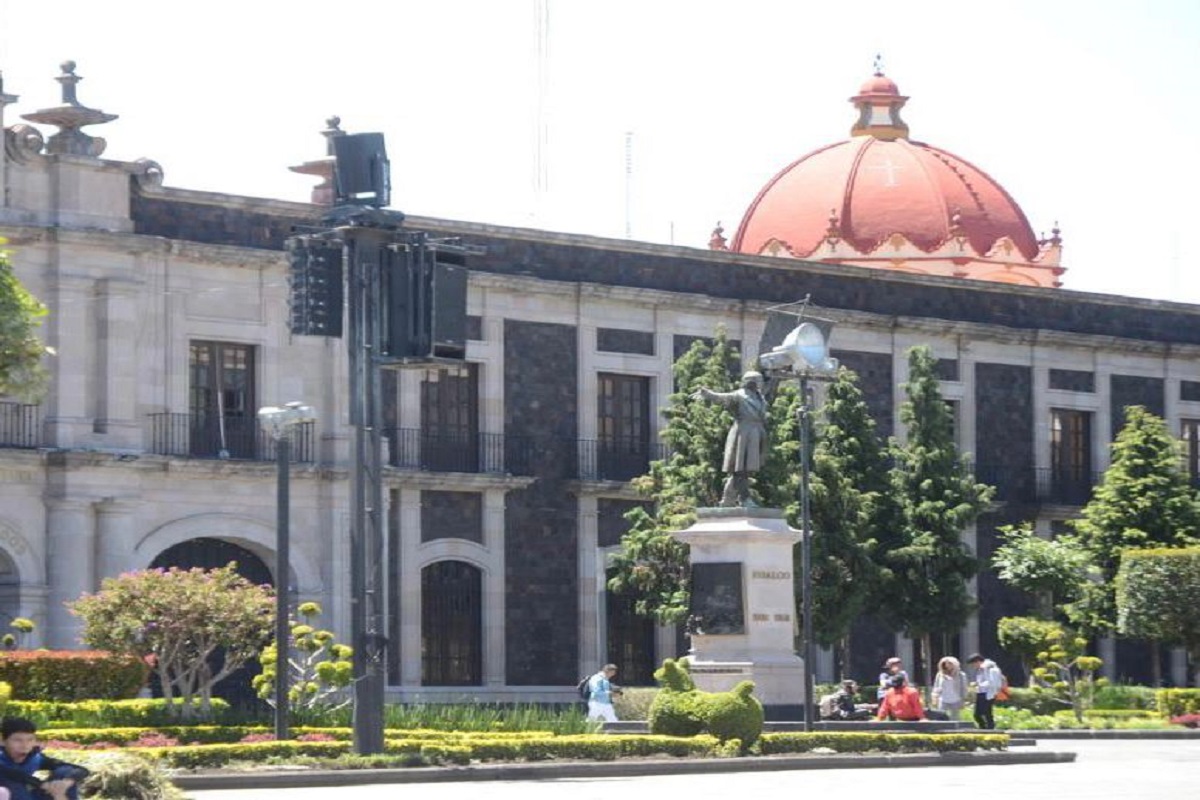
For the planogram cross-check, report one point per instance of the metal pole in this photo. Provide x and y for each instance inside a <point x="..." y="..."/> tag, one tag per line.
<point x="283" y="634"/>
<point x="362" y="267"/>
<point x="806" y="554"/>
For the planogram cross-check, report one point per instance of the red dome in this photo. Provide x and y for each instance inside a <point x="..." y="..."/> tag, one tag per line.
<point x="878" y="188"/>
<point x="879" y="84"/>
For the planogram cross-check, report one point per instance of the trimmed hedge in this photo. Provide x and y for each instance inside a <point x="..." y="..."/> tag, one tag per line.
<point x="774" y="743"/>
<point x="68" y="675"/>
<point x="102" y="713"/>
<point x="1177" y="702"/>
<point x="679" y="709"/>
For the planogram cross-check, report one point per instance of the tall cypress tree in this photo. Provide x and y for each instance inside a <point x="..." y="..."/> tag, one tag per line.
<point x="927" y="562"/>
<point x="1143" y="501"/>
<point x="651" y="564"/>
<point x="848" y="501"/>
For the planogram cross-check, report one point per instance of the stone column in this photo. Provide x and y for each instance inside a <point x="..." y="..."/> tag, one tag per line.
<point x="116" y="537"/>
<point x="409" y="590"/>
<point x="70" y="545"/>
<point x="116" y="365"/>
<point x="591" y="587"/>
<point x="495" y="653"/>
<point x="68" y="421"/>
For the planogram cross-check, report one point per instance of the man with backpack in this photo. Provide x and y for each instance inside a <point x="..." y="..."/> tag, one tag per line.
<point x="600" y="692"/>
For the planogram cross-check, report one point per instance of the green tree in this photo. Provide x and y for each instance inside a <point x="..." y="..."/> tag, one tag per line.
<point x="1158" y="594"/>
<point x="1068" y="673"/>
<point x="1026" y="637"/>
<point x="21" y="372"/>
<point x="319" y="667"/>
<point x="651" y="564"/>
<point x="1054" y="571"/>
<point x="1143" y="501"/>
<point x="848" y="497"/>
<point x="195" y="627"/>
<point x="927" y="563"/>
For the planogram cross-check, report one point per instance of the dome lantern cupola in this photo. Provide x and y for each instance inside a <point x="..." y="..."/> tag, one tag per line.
<point x="879" y="102"/>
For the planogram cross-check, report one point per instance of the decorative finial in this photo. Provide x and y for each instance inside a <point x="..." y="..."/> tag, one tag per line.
<point x="1055" y="237"/>
<point x="331" y="131"/>
<point x="879" y="65"/>
<point x="834" y="232"/>
<point x="70" y="117"/>
<point x="717" y="240"/>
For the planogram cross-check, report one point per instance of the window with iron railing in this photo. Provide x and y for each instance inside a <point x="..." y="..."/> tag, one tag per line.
<point x="450" y="419"/>
<point x="221" y="400"/>
<point x="622" y="426"/>
<point x="451" y="624"/>
<point x="1070" y="456"/>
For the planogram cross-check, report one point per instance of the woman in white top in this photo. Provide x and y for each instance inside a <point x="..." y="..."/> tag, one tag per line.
<point x="950" y="687"/>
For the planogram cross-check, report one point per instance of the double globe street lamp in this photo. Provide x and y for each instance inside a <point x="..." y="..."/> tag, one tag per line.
<point x="278" y="423"/>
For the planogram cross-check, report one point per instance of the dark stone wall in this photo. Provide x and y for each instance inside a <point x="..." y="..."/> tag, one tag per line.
<point x="877" y="382"/>
<point x="1072" y="380"/>
<point x="611" y="522"/>
<point x="1004" y="429"/>
<point x="451" y="515"/>
<point x="620" y="340"/>
<point x="1132" y="390"/>
<point x="732" y="276"/>
<point x="474" y="327"/>
<point x="946" y="369"/>
<point x="541" y="537"/>
<point x="997" y="600"/>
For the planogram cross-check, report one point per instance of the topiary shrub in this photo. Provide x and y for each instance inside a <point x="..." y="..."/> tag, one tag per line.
<point x="69" y="675"/>
<point x="680" y="709"/>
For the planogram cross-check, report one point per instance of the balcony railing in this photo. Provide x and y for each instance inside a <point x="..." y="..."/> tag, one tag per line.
<point x="619" y="460"/>
<point x="211" y="436"/>
<point x="1041" y="485"/>
<point x="20" y="425"/>
<point x="487" y="453"/>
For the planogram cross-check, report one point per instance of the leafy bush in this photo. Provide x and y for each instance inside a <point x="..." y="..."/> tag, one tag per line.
<point x="67" y="675"/>
<point x="773" y="743"/>
<point x="634" y="702"/>
<point x="1178" y="702"/>
<point x="1116" y="695"/>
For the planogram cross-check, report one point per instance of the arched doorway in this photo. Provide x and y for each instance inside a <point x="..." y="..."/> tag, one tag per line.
<point x="451" y="624"/>
<point x="10" y="594"/>
<point x="207" y="553"/>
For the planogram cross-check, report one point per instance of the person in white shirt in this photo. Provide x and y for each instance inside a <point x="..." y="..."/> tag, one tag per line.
<point x="600" y="694"/>
<point x="987" y="679"/>
<point x="950" y="688"/>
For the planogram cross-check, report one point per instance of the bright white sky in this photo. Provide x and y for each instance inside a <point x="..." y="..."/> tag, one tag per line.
<point x="1086" y="111"/>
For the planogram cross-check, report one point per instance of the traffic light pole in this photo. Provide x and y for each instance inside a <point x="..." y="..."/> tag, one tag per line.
<point x="364" y="244"/>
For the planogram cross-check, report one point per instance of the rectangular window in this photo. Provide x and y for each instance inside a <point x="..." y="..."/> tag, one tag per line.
<point x="1191" y="449"/>
<point x="222" y="405"/>
<point x="1070" y="455"/>
<point x="623" y="426"/>
<point x="450" y="419"/>
<point x="1072" y="380"/>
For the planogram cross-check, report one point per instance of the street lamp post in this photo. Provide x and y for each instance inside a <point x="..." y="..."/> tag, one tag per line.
<point x="804" y="356"/>
<point x="278" y="423"/>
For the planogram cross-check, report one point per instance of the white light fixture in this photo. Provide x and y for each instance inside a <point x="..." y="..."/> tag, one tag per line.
<point x="804" y="350"/>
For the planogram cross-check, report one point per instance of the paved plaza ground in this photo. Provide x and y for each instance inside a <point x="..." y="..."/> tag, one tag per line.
<point x="1104" y="770"/>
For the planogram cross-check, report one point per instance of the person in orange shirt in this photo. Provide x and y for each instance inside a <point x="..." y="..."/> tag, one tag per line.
<point x="902" y="702"/>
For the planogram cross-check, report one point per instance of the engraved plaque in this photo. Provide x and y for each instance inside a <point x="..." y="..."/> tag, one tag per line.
<point x="717" y="599"/>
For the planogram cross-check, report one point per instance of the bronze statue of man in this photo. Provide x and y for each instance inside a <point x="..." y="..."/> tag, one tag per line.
<point x="746" y="444"/>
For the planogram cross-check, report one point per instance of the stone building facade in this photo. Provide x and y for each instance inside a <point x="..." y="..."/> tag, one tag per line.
<point x="507" y="478"/>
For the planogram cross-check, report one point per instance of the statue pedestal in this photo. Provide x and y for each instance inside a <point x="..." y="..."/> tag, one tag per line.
<point x="744" y="606"/>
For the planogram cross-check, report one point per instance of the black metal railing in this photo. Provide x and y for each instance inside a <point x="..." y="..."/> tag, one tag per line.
<point x="619" y="460"/>
<point x="434" y="451"/>
<point x="20" y="425"/>
<point x="1037" y="485"/>
<point x="234" y="437"/>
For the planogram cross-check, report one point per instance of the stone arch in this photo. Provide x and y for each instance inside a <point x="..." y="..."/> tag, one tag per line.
<point x="255" y="535"/>
<point x="30" y="569"/>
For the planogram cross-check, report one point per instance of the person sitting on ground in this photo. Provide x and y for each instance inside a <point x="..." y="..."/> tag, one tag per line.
<point x="846" y="705"/>
<point x="21" y="757"/>
<point x="902" y="702"/>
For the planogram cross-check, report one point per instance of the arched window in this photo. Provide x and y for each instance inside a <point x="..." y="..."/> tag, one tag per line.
<point x="451" y="624"/>
<point x="630" y="641"/>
